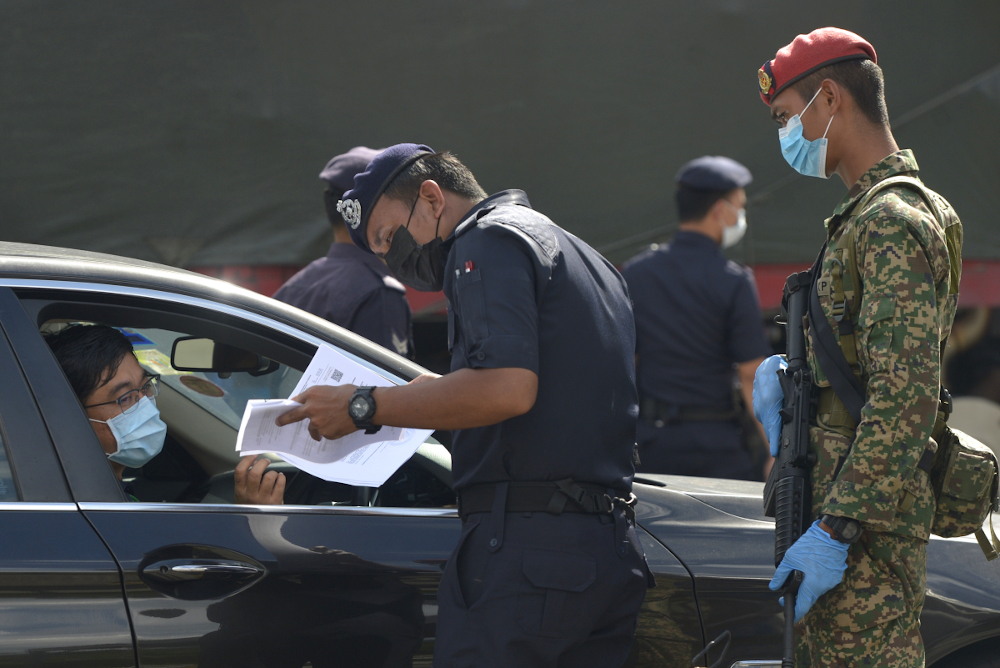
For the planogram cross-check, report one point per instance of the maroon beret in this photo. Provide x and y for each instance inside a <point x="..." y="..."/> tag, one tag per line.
<point x="808" y="53"/>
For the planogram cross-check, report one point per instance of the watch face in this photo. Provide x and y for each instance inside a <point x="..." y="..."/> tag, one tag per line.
<point x="850" y="530"/>
<point x="358" y="407"/>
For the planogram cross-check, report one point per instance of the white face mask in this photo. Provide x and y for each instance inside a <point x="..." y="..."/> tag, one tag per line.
<point x="731" y="234"/>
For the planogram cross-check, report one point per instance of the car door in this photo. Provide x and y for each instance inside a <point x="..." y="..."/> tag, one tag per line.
<point x="226" y="585"/>
<point x="61" y="597"/>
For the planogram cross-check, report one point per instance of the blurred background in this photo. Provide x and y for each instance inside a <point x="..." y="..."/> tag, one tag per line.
<point x="191" y="133"/>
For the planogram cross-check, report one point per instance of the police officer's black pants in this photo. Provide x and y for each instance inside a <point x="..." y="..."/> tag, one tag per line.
<point x="706" y="449"/>
<point x="537" y="589"/>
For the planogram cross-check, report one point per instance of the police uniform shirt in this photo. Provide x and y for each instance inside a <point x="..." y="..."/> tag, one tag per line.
<point x="524" y="293"/>
<point x="696" y="313"/>
<point x="355" y="290"/>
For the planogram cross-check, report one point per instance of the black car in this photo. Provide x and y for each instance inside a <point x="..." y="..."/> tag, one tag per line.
<point x="338" y="576"/>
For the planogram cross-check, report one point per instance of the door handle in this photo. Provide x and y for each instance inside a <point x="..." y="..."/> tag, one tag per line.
<point x="198" y="579"/>
<point x="201" y="569"/>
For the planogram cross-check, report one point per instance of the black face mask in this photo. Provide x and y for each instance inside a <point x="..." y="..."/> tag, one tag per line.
<point x="420" y="267"/>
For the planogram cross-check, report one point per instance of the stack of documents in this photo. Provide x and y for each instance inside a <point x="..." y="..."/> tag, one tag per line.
<point x="356" y="459"/>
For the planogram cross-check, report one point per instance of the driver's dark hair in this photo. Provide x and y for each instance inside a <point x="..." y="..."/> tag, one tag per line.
<point x="861" y="78"/>
<point x="89" y="355"/>
<point x="444" y="169"/>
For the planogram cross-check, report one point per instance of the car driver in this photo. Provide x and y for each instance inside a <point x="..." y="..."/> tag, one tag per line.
<point x="119" y="397"/>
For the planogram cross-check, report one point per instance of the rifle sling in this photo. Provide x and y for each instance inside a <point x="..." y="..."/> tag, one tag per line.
<point x="830" y="357"/>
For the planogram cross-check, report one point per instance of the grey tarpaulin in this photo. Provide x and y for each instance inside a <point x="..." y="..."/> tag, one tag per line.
<point x="191" y="132"/>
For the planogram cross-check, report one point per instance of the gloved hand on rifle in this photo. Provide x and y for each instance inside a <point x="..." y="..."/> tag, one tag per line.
<point x="768" y="398"/>
<point x="822" y="561"/>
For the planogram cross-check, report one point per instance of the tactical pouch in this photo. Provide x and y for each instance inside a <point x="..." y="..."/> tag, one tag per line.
<point x="965" y="479"/>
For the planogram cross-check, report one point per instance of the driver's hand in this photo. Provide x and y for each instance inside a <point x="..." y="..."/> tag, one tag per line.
<point x="256" y="485"/>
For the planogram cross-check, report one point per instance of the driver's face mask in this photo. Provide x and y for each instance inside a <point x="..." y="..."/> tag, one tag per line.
<point x="420" y="267"/>
<point x="139" y="434"/>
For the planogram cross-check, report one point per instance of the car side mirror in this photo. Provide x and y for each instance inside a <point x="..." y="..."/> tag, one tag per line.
<point x="191" y="353"/>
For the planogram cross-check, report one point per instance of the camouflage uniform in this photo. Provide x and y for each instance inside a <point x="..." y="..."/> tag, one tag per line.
<point x="906" y="309"/>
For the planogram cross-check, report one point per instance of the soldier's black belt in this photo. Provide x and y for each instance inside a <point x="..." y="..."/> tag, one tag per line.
<point x="654" y="409"/>
<point x="555" y="497"/>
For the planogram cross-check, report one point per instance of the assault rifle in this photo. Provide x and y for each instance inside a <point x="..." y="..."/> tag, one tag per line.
<point x="786" y="493"/>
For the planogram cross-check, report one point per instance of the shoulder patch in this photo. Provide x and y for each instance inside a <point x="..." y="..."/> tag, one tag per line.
<point x="400" y="344"/>
<point x="393" y="283"/>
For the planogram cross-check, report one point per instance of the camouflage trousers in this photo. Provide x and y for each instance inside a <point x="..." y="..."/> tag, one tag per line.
<point x="872" y="618"/>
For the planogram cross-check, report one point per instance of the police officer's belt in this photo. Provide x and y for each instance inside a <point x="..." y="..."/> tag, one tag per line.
<point x="555" y="497"/>
<point x="654" y="409"/>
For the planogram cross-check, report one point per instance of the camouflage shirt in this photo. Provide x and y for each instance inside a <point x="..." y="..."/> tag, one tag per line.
<point x="904" y="311"/>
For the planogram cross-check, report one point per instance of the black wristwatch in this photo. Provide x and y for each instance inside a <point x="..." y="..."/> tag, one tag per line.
<point x="361" y="408"/>
<point x="844" y="529"/>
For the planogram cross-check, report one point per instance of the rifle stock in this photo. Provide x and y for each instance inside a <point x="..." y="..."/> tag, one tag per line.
<point x="786" y="493"/>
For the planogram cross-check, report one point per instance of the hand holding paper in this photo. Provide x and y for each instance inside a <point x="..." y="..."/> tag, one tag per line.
<point x="325" y="406"/>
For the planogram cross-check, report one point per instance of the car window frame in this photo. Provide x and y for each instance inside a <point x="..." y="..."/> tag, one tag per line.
<point x="34" y="293"/>
<point x="35" y="464"/>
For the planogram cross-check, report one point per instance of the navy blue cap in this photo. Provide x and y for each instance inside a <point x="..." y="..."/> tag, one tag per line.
<point x="358" y="202"/>
<point x="714" y="172"/>
<point x="340" y="171"/>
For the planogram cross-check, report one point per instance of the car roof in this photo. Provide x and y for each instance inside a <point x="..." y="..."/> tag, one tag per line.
<point x="48" y="263"/>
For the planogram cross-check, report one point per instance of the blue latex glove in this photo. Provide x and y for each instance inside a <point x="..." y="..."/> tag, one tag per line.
<point x="768" y="398"/>
<point x="822" y="561"/>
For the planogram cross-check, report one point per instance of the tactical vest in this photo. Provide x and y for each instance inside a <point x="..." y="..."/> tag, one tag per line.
<point x="846" y="280"/>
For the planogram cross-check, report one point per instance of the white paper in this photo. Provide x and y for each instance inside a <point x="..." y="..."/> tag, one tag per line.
<point x="329" y="366"/>
<point x="356" y="459"/>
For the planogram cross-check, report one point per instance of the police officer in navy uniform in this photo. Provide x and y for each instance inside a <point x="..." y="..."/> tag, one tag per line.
<point x="350" y="287"/>
<point x="548" y="569"/>
<point x="696" y="316"/>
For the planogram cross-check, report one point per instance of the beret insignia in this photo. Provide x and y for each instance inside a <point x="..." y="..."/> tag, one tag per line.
<point x="764" y="79"/>
<point x="350" y="209"/>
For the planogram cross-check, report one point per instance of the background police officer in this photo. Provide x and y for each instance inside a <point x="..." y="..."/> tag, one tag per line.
<point x="349" y="287"/>
<point x="696" y="316"/>
<point x="542" y="394"/>
<point x="885" y="290"/>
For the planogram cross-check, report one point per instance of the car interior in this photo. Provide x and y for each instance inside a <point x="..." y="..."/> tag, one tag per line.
<point x="210" y="364"/>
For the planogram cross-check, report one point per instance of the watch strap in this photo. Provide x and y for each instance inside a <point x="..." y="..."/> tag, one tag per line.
<point x="845" y="530"/>
<point x="366" y="421"/>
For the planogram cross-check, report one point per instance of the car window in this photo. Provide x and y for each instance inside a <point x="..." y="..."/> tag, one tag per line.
<point x="224" y="397"/>
<point x="7" y="490"/>
<point x="203" y="413"/>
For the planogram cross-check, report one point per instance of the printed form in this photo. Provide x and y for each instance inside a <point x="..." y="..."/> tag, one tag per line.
<point x="356" y="459"/>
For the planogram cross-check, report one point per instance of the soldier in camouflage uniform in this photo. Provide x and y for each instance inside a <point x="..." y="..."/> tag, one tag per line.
<point x="891" y="273"/>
